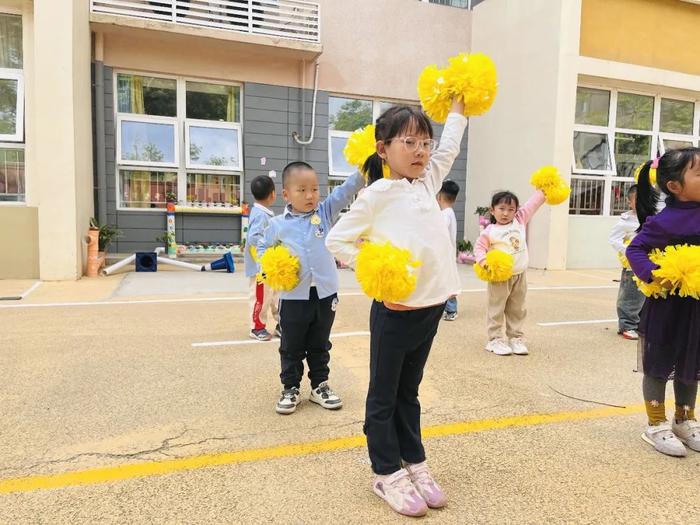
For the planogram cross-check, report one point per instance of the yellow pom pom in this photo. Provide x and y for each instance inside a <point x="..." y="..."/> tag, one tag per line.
<point x="623" y="260"/>
<point x="385" y="272"/>
<point x="361" y="144"/>
<point x="652" y="289"/>
<point x="680" y="268"/>
<point x="254" y="253"/>
<point x="434" y="93"/>
<point x="472" y="78"/>
<point x="279" y="268"/>
<point x="551" y="183"/>
<point x="498" y="267"/>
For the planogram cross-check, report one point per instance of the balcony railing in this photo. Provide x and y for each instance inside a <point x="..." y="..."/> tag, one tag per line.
<point x="290" y="19"/>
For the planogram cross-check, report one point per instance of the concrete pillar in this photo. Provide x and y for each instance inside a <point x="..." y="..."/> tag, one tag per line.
<point x="62" y="134"/>
<point x="535" y="47"/>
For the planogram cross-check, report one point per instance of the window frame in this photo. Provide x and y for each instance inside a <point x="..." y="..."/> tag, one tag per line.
<point x="182" y="142"/>
<point x="216" y="125"/>
<point x="18" y="76"/>
<point x="657" y="138"/>
<point x="14" y="145"/>
<point x="146" y="119"/>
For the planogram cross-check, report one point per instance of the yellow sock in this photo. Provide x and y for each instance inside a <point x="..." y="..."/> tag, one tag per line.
<point x="684" y="412"/>
<point x="656" y="412"/>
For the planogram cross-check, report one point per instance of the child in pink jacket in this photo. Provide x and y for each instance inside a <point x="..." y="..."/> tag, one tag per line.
<point x="507" y="298"/>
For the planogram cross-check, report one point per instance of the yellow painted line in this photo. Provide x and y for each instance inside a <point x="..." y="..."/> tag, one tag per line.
<point x="96" y="476"/>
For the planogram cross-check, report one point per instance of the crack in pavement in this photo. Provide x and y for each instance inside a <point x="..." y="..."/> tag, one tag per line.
<point x="165" y="448"/>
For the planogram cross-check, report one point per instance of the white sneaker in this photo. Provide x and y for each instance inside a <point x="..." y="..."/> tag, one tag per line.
<point x="324" y="396"/>
<point x="498" y="347"/>
<point x="289" y="399"/>
<point x="688" y="432"/>
<point x="518" y="346"/>
<point x="662" y="439"/>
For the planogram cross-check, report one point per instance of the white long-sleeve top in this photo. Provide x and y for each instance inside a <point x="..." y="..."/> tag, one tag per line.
<point x="624" y="231"/>
<point x="406" y="214"/>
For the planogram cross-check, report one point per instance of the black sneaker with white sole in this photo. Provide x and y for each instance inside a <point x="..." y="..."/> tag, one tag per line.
<point x="289" y="399"/>
<point x="260" y="335"/>
<point x="324" y="396"/>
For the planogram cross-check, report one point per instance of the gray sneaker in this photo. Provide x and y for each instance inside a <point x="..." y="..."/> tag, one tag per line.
<point x="289" y="399"/>
<point x="688" y="432"/>
<point x="662" y="439"/>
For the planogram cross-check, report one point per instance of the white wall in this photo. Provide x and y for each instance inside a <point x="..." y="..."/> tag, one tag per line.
<point x="535" y="47"/>
<point x="588" y="242"/>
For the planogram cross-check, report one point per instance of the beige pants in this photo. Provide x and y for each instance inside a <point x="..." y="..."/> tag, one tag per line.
<point x="262" y="299"/>
<point x="507" y="299"/>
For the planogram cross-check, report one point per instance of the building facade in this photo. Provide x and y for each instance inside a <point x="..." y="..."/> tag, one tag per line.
<point x="110" y="107"/>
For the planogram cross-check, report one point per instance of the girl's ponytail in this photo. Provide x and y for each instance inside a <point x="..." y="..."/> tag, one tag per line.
<point x="373" y="167"/>
<point x="647" y="196"/>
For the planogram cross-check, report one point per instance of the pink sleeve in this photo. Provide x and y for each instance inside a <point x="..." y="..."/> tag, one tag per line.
<point x="483" y="243"/>
<point x="527" y="210"/>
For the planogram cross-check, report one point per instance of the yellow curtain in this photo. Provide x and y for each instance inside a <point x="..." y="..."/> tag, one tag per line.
<point x="137" y="104"/>
<point x="140" y="189"/>
<point x="231" y="105"/>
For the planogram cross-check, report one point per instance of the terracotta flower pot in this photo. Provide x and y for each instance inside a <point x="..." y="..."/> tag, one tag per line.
<point x="93" y="262"/>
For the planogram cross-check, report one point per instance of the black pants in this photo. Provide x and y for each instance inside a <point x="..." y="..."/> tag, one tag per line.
<point x="399" y="347"/>
<point x="306" y="326"/>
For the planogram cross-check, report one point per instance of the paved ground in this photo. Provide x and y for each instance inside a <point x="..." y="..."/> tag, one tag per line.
<point x="106" y="402"/>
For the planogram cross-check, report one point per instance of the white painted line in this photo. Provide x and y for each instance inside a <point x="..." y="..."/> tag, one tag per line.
<point x="593" y="321"/>
<point x="254" y="342"/>
<point x="31" y="289"/>
<point x="245" y="298"/>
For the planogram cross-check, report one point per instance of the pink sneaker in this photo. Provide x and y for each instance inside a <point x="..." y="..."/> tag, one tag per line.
<point x="427" y="487"/>
<point x="398" y="491"/>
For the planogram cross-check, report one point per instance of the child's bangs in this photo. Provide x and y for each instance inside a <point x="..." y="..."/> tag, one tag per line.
<point x="409" y="122"/>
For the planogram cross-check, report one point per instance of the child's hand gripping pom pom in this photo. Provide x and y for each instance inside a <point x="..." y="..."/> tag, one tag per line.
<point x="360" y="146"/>
<point x="385" y="272"/>
<point x="654" y="288"/>
<point x="279" y="269"/>
<point x="470" y="78"/>
<point x="498" y="267"/>
<point x="548" y="180"/>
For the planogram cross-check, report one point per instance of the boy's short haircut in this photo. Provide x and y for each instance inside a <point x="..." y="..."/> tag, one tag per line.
<point x="291" y="167"/>
<point x="262" y="187"/>
<point x="449" y="190"/>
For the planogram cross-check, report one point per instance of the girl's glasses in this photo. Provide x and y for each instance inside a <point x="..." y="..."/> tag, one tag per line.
<point x="412" y="144"/>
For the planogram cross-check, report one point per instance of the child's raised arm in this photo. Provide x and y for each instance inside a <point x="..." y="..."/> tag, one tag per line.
<point x="527" y="210"/>
<point x="441" y="161"/>
<point x="341" y="196"/>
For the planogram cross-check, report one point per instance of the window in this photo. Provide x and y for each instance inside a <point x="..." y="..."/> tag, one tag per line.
<point x="614" y="132"/>
<point x="346" y="115"/>
<point x="12" y="184"/>
<point x="12" y="175"/>
<point x="179" y="136"/>
<point x="146" y="189"/>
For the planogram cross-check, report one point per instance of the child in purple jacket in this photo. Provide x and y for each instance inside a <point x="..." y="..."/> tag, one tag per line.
<point x="669" y="327"/>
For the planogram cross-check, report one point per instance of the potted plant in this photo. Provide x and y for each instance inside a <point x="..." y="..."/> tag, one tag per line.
<point x="170" y="200"/>
<point x="99" y="239"/>
<point x="465" y="252"/>
<point x="484" y="214"/>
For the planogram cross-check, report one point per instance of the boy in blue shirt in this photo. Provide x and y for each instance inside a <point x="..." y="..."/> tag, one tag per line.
<point x="307" y="312"/>
<point x="262" y="298"/>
